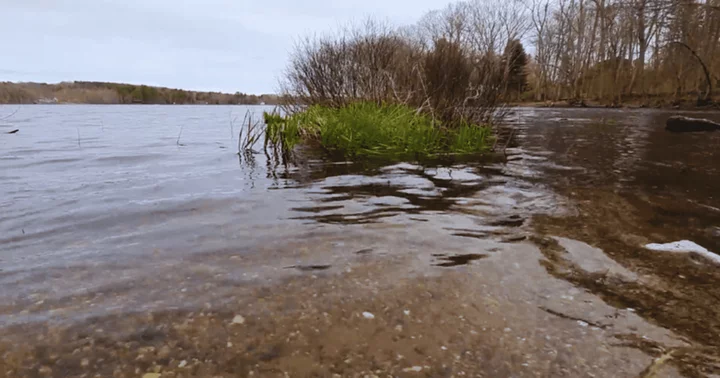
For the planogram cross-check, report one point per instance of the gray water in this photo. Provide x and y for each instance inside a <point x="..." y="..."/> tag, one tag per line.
<point x="99" y="198"/>
<point x="120" y="210"/>
<point x="94" y="175"/>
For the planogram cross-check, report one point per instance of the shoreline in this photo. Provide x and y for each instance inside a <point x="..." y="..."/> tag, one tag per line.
<point x="139" y="104"/>
<point x="535" y="105"/>
<point x="597" y="105"/>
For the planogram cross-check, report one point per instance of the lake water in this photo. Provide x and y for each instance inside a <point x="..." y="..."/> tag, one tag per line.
<point x="134" y="240"/>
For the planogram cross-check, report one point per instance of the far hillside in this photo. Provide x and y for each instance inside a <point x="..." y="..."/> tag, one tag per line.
<point x="83" y="92"/>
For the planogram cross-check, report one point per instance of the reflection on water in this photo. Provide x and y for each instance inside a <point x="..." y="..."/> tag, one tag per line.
<point x="105" y="215"/>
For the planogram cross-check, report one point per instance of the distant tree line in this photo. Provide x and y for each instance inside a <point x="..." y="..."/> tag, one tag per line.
<point x="113" y="93"/>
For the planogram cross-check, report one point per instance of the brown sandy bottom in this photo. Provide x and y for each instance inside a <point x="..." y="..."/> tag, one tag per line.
<point x="676" y="291"/>
<point x="397" y="315"/>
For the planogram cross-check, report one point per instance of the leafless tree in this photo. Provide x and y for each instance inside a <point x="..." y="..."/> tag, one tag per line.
<point x="611" y="51"/>
<point x="432" y="67"/>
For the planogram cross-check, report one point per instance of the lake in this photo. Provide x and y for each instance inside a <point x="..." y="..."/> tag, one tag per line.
<point x="135" y="240"/>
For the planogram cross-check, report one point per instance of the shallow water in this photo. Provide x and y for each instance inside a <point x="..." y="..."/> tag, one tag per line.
<point x="133" y="219"/>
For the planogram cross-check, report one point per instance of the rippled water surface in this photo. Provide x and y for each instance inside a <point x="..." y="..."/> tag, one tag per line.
<point x="132" y="220"/>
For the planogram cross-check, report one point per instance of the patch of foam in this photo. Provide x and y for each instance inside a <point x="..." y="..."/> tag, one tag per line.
<point x="454" y="174"/>
<point x="427" y="193"/>
<point x="402" y="167"/>
<point x="685" y="246"/>
<point x="388" y="201"/>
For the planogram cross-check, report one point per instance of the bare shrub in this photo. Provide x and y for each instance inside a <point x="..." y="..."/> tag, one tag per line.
<point x="440" y="76"/>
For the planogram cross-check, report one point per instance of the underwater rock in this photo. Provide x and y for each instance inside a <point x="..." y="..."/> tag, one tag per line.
<point x="681" y="124"/>
<point x="685" y="246"/>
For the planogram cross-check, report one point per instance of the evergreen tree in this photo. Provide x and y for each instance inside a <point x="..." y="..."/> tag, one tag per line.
<point x="516" y="61"/>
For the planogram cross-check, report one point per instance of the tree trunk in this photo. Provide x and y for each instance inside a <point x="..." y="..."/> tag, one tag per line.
<point x="708" y="93"/>
<point x="642" y="46"/>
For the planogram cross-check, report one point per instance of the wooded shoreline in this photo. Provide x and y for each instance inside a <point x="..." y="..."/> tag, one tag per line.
<point x="80" y="92"/>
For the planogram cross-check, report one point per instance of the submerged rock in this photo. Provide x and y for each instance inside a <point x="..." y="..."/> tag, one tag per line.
<point x="594" y="260"/>
<point x="682" y="124"/>
<point x="238" y="319"/>
<point x="685" y="246"/>
<point x="714" y="232"/>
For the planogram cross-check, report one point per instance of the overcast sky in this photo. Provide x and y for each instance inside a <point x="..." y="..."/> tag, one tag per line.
<point x="225" y="45"/>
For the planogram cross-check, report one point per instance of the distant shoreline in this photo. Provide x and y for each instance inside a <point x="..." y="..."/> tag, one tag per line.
<point x="102" y="93"/>
<point x="93" y="104"/>
<point x="630" y="105"/>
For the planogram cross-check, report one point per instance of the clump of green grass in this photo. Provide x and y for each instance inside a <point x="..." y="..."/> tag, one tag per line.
<point x="367" y="128"/>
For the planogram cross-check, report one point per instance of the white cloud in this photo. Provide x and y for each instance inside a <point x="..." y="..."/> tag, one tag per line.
<point x="208" y="45"/>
